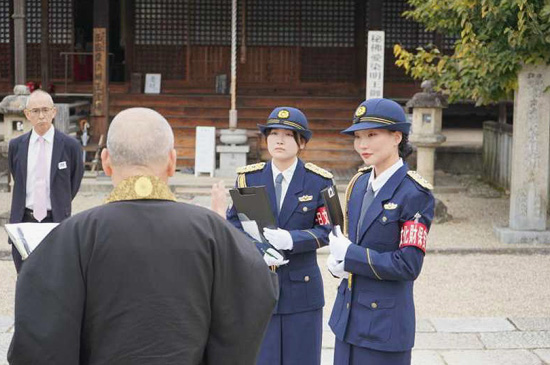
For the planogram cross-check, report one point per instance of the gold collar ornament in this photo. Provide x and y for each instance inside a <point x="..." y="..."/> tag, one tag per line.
<point x="141" y="187"/>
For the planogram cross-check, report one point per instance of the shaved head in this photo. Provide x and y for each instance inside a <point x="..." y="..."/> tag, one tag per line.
<point x="139" y="137"/>
<point x="37" y="96"/>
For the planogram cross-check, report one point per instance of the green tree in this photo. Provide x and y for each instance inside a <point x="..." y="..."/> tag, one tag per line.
<point x="494" y="39"/>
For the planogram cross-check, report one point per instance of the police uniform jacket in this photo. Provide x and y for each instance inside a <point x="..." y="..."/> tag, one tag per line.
<point x="300" y="282"/>
<point x="374" y="307"/>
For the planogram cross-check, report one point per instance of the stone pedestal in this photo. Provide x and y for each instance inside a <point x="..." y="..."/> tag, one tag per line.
<point x="426" y="134"/>
<point x="233" y="152"/>
<point x="231" y="157"/>
<point x="530" y="159"/>
<point x="12" y="106"/>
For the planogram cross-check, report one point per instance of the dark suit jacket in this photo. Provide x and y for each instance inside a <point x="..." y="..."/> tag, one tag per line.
<point x="64" y="183"/>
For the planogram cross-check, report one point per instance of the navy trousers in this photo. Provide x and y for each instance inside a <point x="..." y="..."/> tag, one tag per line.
<point x="346" y="354"/>
<point x="293" y="339"/>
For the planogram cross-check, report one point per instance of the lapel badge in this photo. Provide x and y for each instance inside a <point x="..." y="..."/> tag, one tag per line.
<point x="305" y="198"/>
<point x="390" y="206"/>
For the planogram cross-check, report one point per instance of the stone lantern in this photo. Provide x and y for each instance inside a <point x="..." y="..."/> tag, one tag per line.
<point x="12" y="106"/>
<point x="233" y="152"/>
<point x="427" y="107"/>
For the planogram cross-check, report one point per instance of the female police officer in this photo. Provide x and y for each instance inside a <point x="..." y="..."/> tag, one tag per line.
<point x="295" y="331"/>
<point x="388" y="215"/>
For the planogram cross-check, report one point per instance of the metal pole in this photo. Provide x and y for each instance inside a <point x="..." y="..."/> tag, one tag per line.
<point x="233" y="111"/>
<point x="19" y="42"/>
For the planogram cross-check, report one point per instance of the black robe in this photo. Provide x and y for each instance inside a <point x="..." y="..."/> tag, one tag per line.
<point x="142" y="282"/>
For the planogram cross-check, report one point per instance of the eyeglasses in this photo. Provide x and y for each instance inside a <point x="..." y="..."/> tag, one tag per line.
<point x="37" y="111"/>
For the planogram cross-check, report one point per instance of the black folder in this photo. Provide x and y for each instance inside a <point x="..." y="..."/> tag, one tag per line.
<point x="332" y="205"/>
<point x="252" y="204"/>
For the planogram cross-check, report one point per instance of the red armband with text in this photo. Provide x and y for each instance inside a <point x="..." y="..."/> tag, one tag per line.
<point x="414" y="234"/>
<point x="321" y="216"/>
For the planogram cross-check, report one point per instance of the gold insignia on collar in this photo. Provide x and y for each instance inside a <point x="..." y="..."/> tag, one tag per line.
<point x="361" y="111"/>
<point x="283" y="114"/>
<point x="419" y="179"/>
<point x="141" y="187"/>
<point x="365" y="169"/>
<point x="390" y="206"/>
<point x="319" y="171"/>
<point x="250" y="168"/>
<point x="305" y="198"/>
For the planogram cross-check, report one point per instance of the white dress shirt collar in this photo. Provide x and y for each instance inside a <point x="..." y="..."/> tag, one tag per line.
<point x="287" y="174"/>
<point x="48" y="136"/>
<point x="379" y="181"/>
<point x="287" y="177"/>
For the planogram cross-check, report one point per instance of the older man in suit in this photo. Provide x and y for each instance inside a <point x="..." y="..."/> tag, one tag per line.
<point x="46" y="166"/>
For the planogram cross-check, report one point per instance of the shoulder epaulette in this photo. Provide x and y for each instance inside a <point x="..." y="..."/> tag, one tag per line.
<point x="365" y="169"/>
<point x="419" y="179"/>
<point x="250" y="168"/>
<point x="319" y="171"/>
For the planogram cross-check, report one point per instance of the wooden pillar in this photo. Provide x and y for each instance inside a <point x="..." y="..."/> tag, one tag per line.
<point x="44" y="46"/>
<point x="100" y="103"/>
<point x="20" y="49"/>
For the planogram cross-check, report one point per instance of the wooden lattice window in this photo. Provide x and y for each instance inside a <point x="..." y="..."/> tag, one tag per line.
<point x="211" y="23"/>
<point x="160" y="37"/>
<point x="61" y="32"/>
<point x="273" y="23"/>
<point x="327" y="23"/>
<point x="5" y="37"/>
<point x="327" y="37"/>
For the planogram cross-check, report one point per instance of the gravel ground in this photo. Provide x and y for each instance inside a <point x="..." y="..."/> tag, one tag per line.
<point x="451" y="285"/>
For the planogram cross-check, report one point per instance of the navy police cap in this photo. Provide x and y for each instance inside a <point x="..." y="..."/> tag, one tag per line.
<point x="285" y="117"/>
<point x="379" y="114"/>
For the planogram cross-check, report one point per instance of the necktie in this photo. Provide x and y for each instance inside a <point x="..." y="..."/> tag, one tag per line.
<point x="279" y="190"/>
<point x="40" y="183"/>
<point x="367" y="200"/>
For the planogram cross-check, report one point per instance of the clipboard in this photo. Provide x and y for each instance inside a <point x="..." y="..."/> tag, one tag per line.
<point x="332" y="205"/>
<point x="254" y="212"/>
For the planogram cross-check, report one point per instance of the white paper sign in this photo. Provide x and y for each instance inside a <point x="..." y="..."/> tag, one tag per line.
<point x="152" y="83"/>
<point x="205" y="150"/>
<point x="375" y="64"/>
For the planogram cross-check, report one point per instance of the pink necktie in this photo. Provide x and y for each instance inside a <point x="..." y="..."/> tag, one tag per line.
<point x="39" y="208"/>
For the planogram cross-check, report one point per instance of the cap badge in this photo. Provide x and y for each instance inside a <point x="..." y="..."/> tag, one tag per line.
<point x="283" y="114"/>
<point x="361" y="111"/>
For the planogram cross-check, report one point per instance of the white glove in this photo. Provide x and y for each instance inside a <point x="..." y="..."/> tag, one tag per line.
<point x="273" y="258"/>
<point x="338" y="244"/>
<point x="336" y="268"/>
<point x="279" y="238"/>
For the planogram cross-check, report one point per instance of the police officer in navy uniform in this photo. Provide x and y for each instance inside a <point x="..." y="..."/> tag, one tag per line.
<point x="295" y="331"/>
<point x="380" y="252"/>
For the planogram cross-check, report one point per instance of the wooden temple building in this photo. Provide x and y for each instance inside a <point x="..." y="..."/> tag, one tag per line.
<point x="303" y="53"/>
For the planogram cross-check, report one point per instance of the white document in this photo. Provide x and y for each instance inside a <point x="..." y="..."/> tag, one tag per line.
<point x="27" y="236"/>
<point x="251" y="227"/>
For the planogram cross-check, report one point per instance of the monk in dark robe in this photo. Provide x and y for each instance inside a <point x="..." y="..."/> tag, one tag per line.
<point x="142" y="279"/>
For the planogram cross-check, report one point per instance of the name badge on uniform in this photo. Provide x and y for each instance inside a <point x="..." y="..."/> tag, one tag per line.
<point x="62" y="165"/>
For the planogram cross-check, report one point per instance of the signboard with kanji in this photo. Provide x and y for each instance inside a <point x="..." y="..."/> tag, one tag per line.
<point x="375" y="64"/>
